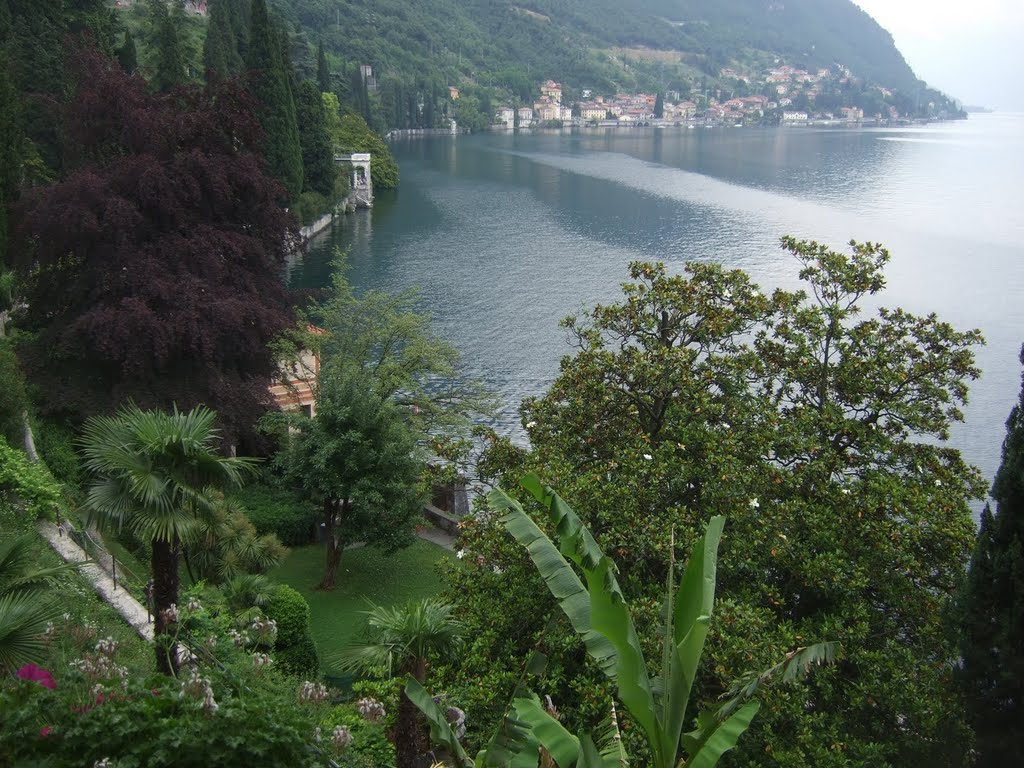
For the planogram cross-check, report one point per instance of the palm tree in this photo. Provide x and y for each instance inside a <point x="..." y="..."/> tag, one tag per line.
<point x="24" y="609"/>
<point x="152" y="473"/>
<point x="403" y="640"/>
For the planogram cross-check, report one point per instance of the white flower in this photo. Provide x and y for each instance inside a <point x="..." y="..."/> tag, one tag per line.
<point x="341" y="737"/>
<point x="460" y="554"/>
<point x="754" y="504"/>
<point x="497" y="569"/>
<point x="938" y="483"/>
<point x="726" y="425"/>
<point x="846" y="491"/>
<point x="531" y="424"/>
<point x="648" y="456"/>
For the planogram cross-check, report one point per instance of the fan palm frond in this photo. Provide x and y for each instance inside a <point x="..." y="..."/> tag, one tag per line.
<point x="23" y="623"/>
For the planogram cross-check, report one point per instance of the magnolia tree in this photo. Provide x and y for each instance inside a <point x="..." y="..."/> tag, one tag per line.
<point x="821" y="431"/>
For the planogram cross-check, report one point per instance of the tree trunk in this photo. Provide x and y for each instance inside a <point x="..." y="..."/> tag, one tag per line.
<point x="29" y="438"/>
<point x="411" y="741"/>
<point x="335" y="547"/>
<point x="165" y="594"/>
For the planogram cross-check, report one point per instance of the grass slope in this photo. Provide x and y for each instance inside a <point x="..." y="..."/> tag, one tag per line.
<point x="366" y="574"/>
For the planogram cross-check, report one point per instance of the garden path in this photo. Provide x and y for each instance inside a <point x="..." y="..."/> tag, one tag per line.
<point x="117" y="596"/>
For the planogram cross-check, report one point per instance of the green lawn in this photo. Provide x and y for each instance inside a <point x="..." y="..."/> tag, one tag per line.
<point x="365" y="574"/>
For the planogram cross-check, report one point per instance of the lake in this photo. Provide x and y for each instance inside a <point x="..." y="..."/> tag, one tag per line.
<point x="507" y="234"/>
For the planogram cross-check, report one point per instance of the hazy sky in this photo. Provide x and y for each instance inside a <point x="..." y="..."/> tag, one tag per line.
<point x="971" y="49"/>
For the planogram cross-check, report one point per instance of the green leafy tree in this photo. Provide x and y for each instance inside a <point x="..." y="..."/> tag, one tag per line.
<point x="152" y="473"/>
<point x="319" y="170"/>
<point x="822" y="432"/>
<point x="220" y="49"/>
<point x="659" y="106"/>
<point x="276" y="110"/>
<point x="405" y="640"/>
<point x="355" y="459"/>
<point x="386" y="381"/>
<point x="991" y="612"/>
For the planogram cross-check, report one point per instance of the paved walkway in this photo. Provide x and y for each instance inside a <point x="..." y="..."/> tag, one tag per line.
<point x="437" y="536"/>
<point x="117" y="596"/>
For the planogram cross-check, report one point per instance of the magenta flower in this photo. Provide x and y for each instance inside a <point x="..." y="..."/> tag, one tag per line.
<point x="37" y="674"/>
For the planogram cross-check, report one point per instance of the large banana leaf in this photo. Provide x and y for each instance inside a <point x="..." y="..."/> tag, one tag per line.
<point x="706" y="747"/>
<point x="440" y="731"/>
<point x="562" y="581"/>
<point x="609" y="613"/>
<point x="563" y="747"/>
<point x="694" y="604"/>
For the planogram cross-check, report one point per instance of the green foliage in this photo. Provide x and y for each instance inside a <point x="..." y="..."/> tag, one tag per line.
<point x="820" y="428"/>
<point x="170" y="70"/>
<point x="12" y="383"/>
<point x="55" y="442"/>
<point x="271" y="89"/>
<point x="990" y="608"/>
<point x="220" y="49"/>
<point x="127" y="55"/>
<point x="352" y="134"/>
<point x="226" y="545"/>
<point x="370" y="747"/>
<point x="273" y="509"/>
<point x="291" y="612"/>
<point x="310" y="206"/>
<point x="317" y="155"/>
<point x="26" y="608"/>
<point x="29" y="483"/>
<point x="294" y="650"/>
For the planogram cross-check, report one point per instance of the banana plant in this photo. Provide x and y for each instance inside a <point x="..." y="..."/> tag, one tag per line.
<point x="597" y="610"/>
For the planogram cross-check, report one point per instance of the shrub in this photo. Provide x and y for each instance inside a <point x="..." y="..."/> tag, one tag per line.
<point x="291" y="612"/>
<point x="300" y="659"/>
<point x="55" y="442"/>
<point x="295" y="650"/>
<point x="30" y="482"/>
<point x="276" y="510"/>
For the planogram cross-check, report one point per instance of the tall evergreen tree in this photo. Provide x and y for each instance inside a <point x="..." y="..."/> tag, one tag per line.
<point x="276" y="110"/>
<point x="323" y="70"/>
<point x="659" y="106"/>
<point x="318" y="166"/>
<point x="170" y="59"/>
<point x="127" y="55"/>
<point x="991" y="611"/>
<point x="220" y="51"/>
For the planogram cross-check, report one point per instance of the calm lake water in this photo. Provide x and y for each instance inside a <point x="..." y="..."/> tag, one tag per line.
<point x="505" y="235"/>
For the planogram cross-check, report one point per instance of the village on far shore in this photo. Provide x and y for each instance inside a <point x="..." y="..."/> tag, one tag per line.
<point x="782" y="95"/>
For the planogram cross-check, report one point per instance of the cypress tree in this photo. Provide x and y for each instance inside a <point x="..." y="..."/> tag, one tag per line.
<point x="170" y="60"/>
<point x="318" y="167"/>
<point x="659" y="106"/>
<point x="220" y="51"/>
<point x="276" y="110"/>
<point x="991" y="612"/>
<point x="323" y="70"/>
<point x="127" y="56"/>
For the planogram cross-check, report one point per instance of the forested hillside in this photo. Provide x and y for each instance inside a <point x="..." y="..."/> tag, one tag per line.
<point x="581" y="42"/>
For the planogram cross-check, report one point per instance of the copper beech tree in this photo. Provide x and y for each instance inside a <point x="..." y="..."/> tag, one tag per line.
<point x="153" y="268"/>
